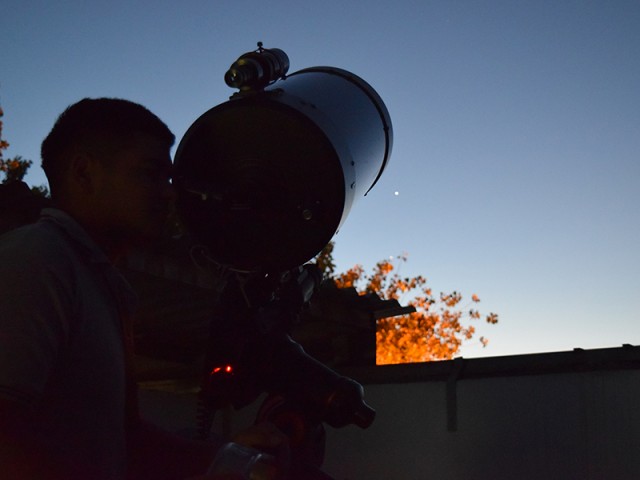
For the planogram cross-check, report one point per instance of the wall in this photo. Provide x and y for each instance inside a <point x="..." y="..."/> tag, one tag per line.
<point x="566" y="415"/>
<point x="557" y="426"/>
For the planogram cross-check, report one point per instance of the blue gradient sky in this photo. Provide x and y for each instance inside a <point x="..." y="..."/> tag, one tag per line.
<point x="517" y="132"/>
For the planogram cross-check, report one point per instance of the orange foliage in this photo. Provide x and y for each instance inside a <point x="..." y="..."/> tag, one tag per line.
<point x="435" y="331"/>
<point x="14" y="169"/>
<point x="3" y="143"/>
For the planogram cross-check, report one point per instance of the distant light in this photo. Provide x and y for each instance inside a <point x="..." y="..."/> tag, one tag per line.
<point x="396" y="193"/>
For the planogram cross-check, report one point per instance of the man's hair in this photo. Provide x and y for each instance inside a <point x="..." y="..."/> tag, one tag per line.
<point x="98" y="125"/>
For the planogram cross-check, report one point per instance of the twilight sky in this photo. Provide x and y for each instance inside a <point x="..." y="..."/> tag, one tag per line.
<point x="515" y="172"/>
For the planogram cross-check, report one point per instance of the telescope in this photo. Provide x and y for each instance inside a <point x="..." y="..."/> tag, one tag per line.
<point x="264" y="181"/>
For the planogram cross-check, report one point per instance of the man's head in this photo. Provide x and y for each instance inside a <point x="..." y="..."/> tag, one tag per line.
<point x="98" y="126"/>
<point x="108" y="164"/>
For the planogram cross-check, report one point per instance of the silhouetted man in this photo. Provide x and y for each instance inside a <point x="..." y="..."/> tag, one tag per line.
<point x="68" y="405"/>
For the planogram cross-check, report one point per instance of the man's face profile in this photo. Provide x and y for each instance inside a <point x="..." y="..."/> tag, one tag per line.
<point x="133" y="191"/>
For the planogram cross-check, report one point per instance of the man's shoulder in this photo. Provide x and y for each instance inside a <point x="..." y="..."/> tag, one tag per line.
<point x="38" y="234"/>
<point x="35" y="243"/>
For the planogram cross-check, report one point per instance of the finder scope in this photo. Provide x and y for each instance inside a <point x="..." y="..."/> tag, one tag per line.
<point x="255" y="70"/>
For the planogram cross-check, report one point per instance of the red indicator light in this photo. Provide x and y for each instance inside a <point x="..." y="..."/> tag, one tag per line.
<point x="225" y="369"/>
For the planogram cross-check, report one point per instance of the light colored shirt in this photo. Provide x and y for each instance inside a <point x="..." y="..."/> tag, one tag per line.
<point x="61" y="341"/>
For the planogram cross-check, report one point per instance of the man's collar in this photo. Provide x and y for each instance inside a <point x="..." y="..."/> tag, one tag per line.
<point x="79" y="236"/>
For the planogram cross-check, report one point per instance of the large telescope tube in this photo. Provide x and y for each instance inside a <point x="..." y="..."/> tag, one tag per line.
<point x="267" y="178"/>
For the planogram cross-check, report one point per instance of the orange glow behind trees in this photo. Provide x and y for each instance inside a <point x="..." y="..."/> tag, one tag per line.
<point x="14" y="169"/>
<point x="435" y="331"/>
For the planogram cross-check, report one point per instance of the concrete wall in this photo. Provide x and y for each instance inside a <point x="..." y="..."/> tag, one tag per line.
<point x="491" y="420"/>
<point x="559" y="426"/>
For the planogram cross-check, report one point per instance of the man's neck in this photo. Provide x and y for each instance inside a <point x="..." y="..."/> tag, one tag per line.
<point x="114" y="244"/>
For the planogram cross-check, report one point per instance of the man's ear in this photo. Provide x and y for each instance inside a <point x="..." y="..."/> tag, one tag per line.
<point x="83" y="172"/>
